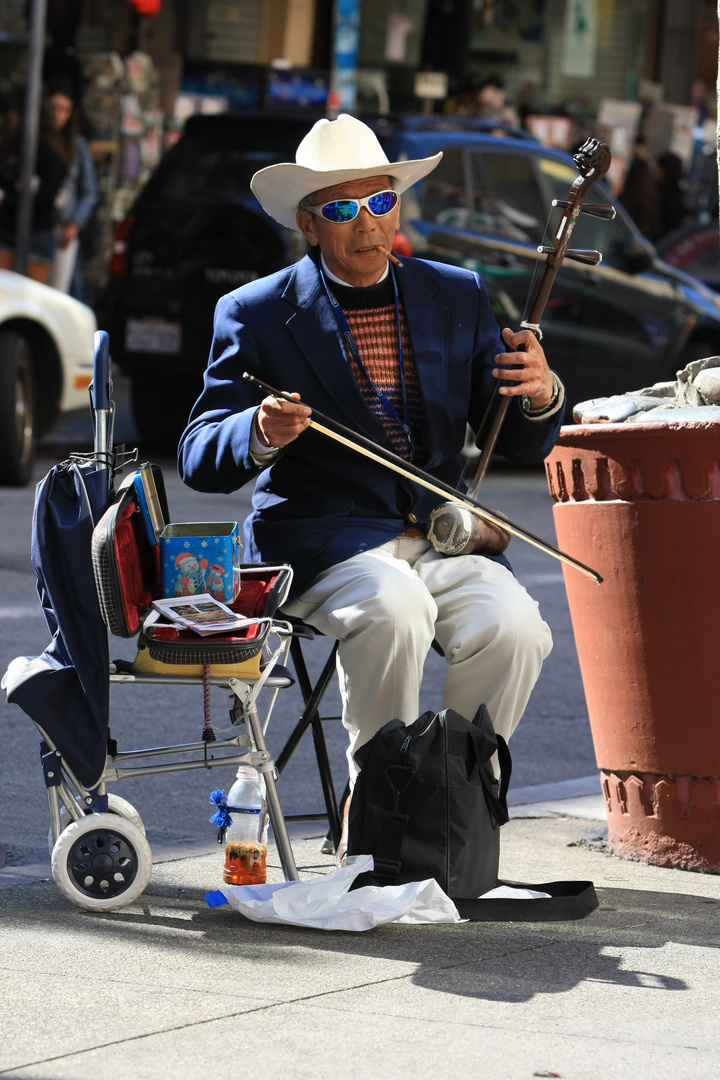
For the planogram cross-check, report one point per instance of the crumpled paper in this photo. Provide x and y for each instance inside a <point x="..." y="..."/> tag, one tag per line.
<point x="696" y="388"/>
<point x="325" y="902"/>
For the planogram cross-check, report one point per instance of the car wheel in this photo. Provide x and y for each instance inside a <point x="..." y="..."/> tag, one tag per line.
<point x="17" y="409"/>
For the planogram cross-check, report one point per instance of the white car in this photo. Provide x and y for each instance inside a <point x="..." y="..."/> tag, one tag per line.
<point x="46" y="365"/>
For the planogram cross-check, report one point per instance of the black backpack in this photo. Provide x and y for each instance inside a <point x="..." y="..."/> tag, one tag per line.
<point x="427" y="804"/>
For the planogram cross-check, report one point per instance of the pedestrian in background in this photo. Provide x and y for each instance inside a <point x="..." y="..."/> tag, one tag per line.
<point x="46" y="182"/>
<point x="78" y="195"/>
<point x="669" y="177"/>
<point x="640" y="194"/>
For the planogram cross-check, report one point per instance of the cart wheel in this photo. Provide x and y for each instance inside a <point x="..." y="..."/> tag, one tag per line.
<point x="125" y="809"/>
<point x="116" y="805"/>
<point x="101" y="862"/>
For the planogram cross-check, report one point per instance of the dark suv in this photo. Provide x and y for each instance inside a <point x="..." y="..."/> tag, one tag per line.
<point x="196" y="232"/>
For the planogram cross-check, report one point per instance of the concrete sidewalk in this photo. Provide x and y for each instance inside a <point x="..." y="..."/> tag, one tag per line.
<point x="170" y="988"/>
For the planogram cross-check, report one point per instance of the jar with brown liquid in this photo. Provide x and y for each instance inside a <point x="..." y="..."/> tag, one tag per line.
<point x="245" y="863"/>
<point x="245" y="854"/>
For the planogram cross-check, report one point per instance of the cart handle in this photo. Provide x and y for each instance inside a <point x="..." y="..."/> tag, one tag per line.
<point x="101" y="370"/>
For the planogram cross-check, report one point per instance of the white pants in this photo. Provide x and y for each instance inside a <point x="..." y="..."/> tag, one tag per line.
<point x="386" y="605"/>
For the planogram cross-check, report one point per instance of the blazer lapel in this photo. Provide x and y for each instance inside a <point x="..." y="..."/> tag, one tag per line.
<point x="427" y="319"/>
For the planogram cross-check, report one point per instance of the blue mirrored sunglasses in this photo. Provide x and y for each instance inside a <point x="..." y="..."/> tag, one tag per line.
<point x="342" y="210"/>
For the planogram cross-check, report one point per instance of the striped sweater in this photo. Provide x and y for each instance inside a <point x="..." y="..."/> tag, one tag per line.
<point x="371" y="316"/>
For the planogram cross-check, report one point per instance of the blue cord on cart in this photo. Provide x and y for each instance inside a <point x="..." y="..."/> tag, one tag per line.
<point x="222" y="816"/>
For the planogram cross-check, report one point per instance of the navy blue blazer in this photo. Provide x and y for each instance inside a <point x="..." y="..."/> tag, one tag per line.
<point x="318" y="503"/>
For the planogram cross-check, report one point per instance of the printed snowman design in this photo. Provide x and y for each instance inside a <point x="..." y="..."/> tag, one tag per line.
<point x="214" y="582"/>
<point x="190" y="578"/>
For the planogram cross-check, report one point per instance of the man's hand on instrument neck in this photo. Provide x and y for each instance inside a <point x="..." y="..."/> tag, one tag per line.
<point x="526" y="372"/>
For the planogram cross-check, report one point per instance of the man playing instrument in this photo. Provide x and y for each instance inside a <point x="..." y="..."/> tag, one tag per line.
<point x="406" y="356"/>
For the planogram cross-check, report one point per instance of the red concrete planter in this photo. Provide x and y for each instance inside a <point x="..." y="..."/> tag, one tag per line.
<point x="640" y="503"/>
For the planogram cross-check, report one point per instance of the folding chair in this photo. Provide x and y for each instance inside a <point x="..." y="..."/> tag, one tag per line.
<point x="313" y="694"/>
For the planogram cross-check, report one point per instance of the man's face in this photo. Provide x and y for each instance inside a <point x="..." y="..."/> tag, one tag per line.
<point x="349" y="248"/>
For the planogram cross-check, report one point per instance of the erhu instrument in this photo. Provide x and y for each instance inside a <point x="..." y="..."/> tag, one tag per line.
<point x="362" y="445"/>
<point x="458" y="530"/>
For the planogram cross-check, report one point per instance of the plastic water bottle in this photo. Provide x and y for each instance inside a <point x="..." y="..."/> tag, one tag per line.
<point x="245" y="853"/>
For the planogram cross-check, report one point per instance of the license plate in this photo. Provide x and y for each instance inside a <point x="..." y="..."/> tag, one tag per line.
<point x="153" y="336"/>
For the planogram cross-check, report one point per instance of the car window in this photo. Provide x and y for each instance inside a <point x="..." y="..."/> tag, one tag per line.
<point x="506" y="193"/>
<point x="443" y="195"/>
<point x="503" y="198"/>
<point x="611" y="238"/>
<point x="208" y="173"/>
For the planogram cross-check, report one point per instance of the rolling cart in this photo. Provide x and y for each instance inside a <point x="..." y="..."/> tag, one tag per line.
<point x="98" y="569"/>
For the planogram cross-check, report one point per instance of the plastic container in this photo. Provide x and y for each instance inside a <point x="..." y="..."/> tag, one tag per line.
<point x="245" y="851"/>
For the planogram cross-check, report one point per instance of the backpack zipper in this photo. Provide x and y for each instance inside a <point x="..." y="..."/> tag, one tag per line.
<point x="409" y="738"/>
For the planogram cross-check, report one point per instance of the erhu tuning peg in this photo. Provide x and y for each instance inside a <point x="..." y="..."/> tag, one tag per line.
<point x="590" y="258"/>
<point x="596" y="210"/>
<point x="599" y="210"/>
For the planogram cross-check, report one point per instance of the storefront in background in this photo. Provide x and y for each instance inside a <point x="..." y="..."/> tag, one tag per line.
<point x="562" y="68"/>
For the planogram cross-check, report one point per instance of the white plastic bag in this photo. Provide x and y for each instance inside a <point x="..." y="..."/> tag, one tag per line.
<point x="325" y="903"/>
<point x="510" y="892"/>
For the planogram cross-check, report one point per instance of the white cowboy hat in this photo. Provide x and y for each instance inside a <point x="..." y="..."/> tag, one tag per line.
<point x="332" y="152"/>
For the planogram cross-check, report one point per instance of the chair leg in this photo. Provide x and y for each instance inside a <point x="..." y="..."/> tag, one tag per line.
<point x="326" y="779"/>
<point x="312" y="696"/>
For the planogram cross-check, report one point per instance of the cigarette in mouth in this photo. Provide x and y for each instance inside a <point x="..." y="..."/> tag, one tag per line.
<point x="388" y="255"/>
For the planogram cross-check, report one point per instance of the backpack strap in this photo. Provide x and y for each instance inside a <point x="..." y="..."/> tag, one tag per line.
<point x="568" y="900"/>
<point x="386" y="858"/>
<point x="482" y="748"/>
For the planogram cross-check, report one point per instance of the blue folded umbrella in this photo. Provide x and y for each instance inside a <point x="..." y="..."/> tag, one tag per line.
<point x="66" y="689"/>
